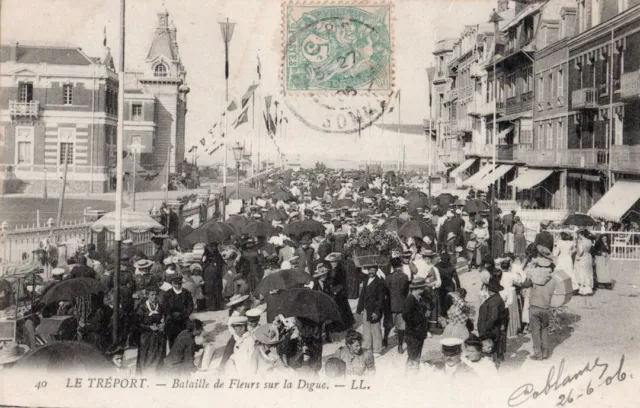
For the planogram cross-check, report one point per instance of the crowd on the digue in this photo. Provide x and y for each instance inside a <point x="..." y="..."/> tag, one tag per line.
<point x="413" y="291"/>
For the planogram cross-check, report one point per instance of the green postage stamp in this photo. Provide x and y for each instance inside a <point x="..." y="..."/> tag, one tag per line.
<point x="337" y="47"/>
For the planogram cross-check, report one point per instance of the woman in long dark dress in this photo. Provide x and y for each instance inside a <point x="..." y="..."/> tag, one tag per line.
<point x="338" y="288"/>
<point x="354" y="278"/>
<point x="152" y="348"/>
<point x="95" y="327"/>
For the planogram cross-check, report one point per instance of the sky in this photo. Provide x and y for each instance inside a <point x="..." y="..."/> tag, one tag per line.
<point x="419" y="23"/>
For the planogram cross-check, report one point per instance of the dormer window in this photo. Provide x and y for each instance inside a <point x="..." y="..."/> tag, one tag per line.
<point x="160" y="70"/>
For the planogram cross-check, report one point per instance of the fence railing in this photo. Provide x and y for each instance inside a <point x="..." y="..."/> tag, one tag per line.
<point x="625" y="245"/>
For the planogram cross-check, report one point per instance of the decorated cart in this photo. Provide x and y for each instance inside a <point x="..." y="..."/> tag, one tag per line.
<point x="369" y="248"/>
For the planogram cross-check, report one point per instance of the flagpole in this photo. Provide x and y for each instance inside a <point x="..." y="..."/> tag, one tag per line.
<point x="399" y="119"/>
<point x="227" y="33"/>
<point x="119" y="152"/>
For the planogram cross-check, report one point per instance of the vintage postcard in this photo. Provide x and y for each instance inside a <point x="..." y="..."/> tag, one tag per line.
<point x="363" y="203"/>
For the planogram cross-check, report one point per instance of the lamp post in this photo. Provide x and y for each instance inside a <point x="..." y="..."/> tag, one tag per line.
<point x="495" y="19"/>
<point x="237" y="155"/>
<point x="226" y="28"/>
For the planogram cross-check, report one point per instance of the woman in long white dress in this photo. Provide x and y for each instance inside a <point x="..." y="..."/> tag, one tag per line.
<point x="564" y="250"/>
<point x="583" y="265"/>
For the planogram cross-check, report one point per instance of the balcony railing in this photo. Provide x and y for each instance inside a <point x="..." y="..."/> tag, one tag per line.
<point x="465" y="124"/>
<point x="585" y="98"/>
<point x="630" y="85"/>
<point x="477" y="149"/>
<point x="452" y="155"/>
<point x="506" y="152"/>
<point x="500" y="107"/>
<point x="521" y="103"/>
<point x="18" y="108"/>
<point x="625" y="158"/>
<point x="576" y="158"/>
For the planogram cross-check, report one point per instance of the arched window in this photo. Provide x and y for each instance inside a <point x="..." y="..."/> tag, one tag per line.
<point x="160" y="70"/>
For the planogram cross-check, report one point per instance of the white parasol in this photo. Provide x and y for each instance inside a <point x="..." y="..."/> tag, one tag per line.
<point x="131" y="221"/>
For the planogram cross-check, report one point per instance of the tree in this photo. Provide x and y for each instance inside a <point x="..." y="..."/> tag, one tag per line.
<point x="320" y="167"/>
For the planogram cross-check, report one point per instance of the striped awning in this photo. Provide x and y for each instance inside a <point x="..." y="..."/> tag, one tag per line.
<point x="617" y="202"/>
<point x="478" y="176"/>
<point x="487" y="180"/>
<point x="464" y="166"/>
<point x="530" y="178"/>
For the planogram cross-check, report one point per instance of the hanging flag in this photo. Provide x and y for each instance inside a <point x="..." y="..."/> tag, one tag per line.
<point x="281" y="115"/>
<point x="190" y="150"/>
<point x="206" y="149"/>
<point x="243" y="118"/>
<point x="202" y="141"/>
<point x="285" y="119"/>
<point x="259" y="69"/>
<point x="232" y="106"/>
<point x="104" y="40"/>
<point x="247" y="95"/>
<point x="394" y="102"/>
<point x="266" y="122"/>
<point x="215" y="149"/>
<point x="267" y="102"/>
<point x="272" y="125"/>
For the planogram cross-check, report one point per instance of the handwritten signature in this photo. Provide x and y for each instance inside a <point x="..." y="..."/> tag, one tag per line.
<point x="556" y="380"/>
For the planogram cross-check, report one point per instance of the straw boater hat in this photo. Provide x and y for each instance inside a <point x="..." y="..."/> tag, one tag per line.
<point x="253" y="315"/>
<point x="238" y="321"/>
<point x="128" y="241"/>
<point x="451" y="235"/>
<point x="333" y="257"/>
<point x="427" y="252"/>
<point x="12" y="352"/>
<point x="143" y="264"/>
<point x="237" y="299"/>
<point x="451" y="346"/>
<point x="58" y="271"/>
<point x="267" y="335"/>
<point x="544" y="251"/>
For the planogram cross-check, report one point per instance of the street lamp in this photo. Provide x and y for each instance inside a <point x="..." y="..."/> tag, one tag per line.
<point x="237" y="156"/>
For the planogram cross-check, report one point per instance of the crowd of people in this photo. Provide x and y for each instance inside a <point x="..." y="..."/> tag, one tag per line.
<point x="413" y="290"/>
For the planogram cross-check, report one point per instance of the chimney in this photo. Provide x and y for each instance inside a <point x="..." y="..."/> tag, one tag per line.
<point x="503" y="5"/>
<point x="14" y="52"/>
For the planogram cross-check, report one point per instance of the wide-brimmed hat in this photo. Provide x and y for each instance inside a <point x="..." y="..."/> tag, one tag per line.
<point x="451" y="235"/>
<point x="195" y="267"/>
<point x="58" y="271"/>
<point x="544" y="251"/>
<point x="417" y="283"/>
<point x="333" y="257"/>
<point x="12" y="352"/>
<point x="267" y="335"/>
<point x="253" y="314"/>
<point x="459" y="249"/>
<point x="238" y="321"/>
<point x="143" y="264"/>
<point x="494" y="285"/>
<point x="427" y="252"/>
<point x="545" y="223"/>
<point x="473" y="341"/>
<point x="451" y="346"/>
<point x="176" y="278"/>
<point x="321" y="270"/>
<point x="168" y="260"/>
<point x="237" y="299"/>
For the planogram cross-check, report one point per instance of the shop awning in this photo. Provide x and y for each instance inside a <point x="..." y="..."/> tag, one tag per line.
<point x="464" y="166"/>
<point x="617" y="201"/>
<point x="487" y="180"/>
<point x="478" y="176"/>
<point x="515" y="116"/>
<point x="530" y="178"/>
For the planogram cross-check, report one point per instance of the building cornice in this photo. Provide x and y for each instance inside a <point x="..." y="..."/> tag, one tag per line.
<point x="603" y="28"/>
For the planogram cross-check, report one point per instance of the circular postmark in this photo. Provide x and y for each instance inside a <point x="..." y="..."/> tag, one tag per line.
<point x="337" y="70"/>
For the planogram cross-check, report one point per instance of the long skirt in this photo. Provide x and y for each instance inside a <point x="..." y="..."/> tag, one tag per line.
<point x="583" y="270"/>
<point x="354" y="277"/>
<point x="432" y="294"/>
<point x="514" y="316"/>
<point x="509" y="243"/>
<point x="525" y="306"/>
<point x="151" y="352"/>
<point x="603" y="275"/>
<point x="520" y="244"/>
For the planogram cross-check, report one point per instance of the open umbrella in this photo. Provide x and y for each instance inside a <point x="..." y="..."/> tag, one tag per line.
<point x="415" y="194"/>
<point x="282" y="280"/>
<point x="580" y="220"/>
<point x="131" y="221"/>
<point x="393" y="224"/>
<point x="417" y="228"/>
<point x="68" y="356"/>
<point x="304" y="227"/>
<point x="446" y="199"/>
<point x="71" y="289"/>
<point x="284" y="195"/>
<point x="211" y="232"/>
<point x="372" y="192"/>
<point x="260" y="229"/>
<point x="343" y="202"/>
<point x="238" y="222"/>
<point x="306" y="303"/>
<point x="183" y="233"/>
<point x="421" y="202"/>
<point x="476" y="206"/>
<point x="276" y="214"/>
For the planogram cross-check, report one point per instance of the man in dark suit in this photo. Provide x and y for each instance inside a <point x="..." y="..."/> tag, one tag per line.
<point x="491" y="313"/>
<point x="415" y="312"/>
<point x="397" y="284"/>
<point x="178" y="306"/>
<point x="450" y="225"/>
<point x="544" y="237"/>
<point x="371" y="305"/>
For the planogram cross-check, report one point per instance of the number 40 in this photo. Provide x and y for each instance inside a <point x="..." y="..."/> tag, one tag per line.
<point x="41" y="384"/>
